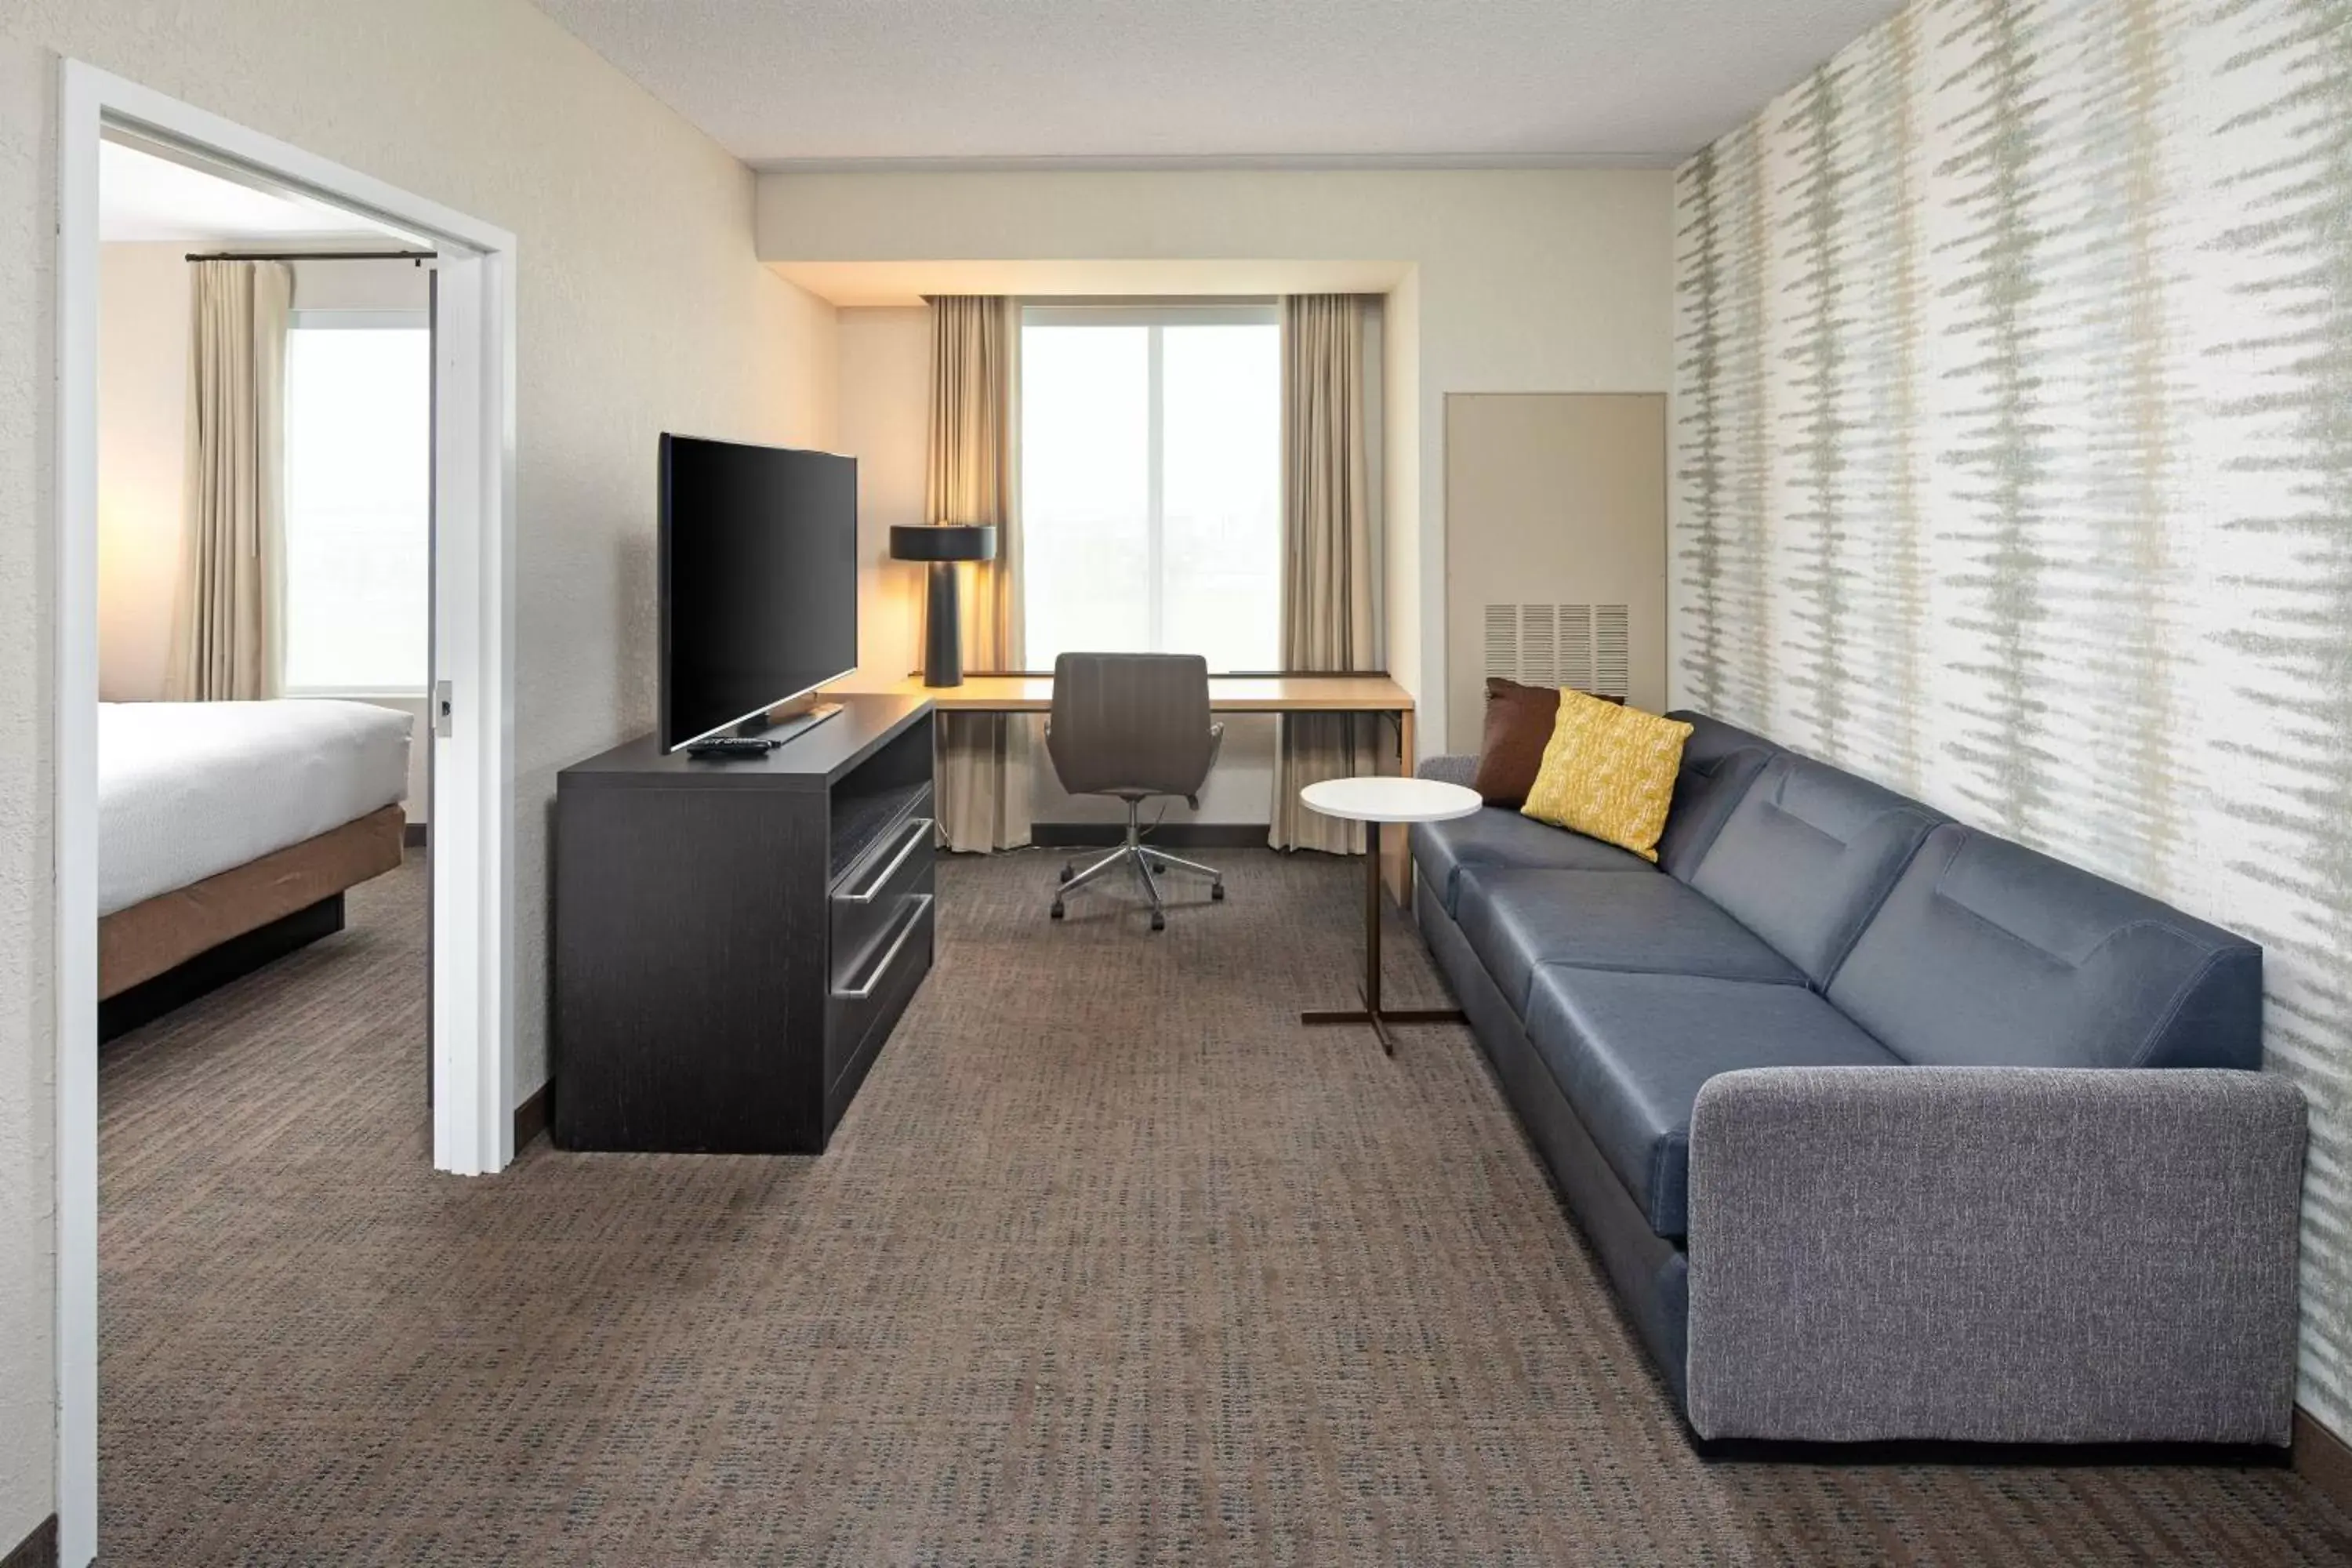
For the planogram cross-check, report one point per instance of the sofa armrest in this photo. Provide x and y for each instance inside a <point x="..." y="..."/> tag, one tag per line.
<point x="1457" y="770"/>
<point x="1994" y="1254"/>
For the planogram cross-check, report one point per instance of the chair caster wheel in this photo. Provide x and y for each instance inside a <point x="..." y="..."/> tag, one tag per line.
<point x="1058" y="909"/>
<point x="1159" y="870"/>
<point x="1069" y="870"/>
<point x="1158" y="920"/>
<point x="1217" y="891"/>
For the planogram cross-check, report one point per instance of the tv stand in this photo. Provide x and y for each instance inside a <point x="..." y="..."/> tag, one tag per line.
<point x="783" y="724"/>
<point x="733" y="945"/>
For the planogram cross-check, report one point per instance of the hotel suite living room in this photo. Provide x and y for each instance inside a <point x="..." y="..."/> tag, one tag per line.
<point x="1009" y="782"/>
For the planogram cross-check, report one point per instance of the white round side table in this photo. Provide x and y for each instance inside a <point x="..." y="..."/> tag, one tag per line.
<point x="1373" y="801"/>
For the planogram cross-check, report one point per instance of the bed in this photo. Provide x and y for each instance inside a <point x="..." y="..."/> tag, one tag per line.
<point x="227" y="835"/>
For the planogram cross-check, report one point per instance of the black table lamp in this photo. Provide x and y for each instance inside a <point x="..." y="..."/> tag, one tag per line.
<point x="943" y="545"/>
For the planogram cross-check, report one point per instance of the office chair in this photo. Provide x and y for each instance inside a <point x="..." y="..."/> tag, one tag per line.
<point x="1133" y="725"/>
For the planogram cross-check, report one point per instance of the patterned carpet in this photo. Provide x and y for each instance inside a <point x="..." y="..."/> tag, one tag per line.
<point x="1110" y="1263"/>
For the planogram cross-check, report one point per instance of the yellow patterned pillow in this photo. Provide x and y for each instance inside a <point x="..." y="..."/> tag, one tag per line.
<point x="1609" y="772"/>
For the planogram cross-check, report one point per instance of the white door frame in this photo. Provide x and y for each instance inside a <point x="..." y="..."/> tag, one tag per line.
<point x="472" y="805"/>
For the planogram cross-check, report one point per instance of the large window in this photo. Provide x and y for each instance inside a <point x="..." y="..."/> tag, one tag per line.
<point x="1152" y="482"/>
<point x="359" y="479"/>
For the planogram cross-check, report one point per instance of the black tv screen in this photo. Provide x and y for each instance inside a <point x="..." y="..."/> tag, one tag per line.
<point x="759" y="580"/>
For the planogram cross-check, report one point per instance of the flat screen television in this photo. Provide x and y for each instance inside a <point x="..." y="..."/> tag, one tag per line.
<point x="759" y="581"/>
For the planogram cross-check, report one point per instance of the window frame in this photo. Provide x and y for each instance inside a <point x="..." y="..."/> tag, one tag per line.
<point x="366" y="321"/>
<point x="1158" y="315"/>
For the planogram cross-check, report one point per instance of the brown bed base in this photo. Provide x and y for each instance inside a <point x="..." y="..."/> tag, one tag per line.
<point x="175" y="946"/>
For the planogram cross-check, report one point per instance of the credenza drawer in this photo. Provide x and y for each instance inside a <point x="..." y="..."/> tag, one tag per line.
<point x="870" y="899"/>
<point x="868" y="1001"/>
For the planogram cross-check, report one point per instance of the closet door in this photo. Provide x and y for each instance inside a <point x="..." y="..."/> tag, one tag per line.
<point x="1555" y="547"/>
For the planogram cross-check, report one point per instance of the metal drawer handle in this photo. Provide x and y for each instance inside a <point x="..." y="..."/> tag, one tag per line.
<point x="918" y="905"/>
<point x="919" y="832"/>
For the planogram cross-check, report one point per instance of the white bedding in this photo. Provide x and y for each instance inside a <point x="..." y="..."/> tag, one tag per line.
<point x="186" y="790"/>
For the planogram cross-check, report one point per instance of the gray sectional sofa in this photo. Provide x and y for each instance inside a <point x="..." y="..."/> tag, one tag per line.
<point x="1882" y="1128"/>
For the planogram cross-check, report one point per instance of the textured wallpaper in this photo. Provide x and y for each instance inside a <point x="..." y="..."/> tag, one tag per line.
<point x="2014" y="466"/>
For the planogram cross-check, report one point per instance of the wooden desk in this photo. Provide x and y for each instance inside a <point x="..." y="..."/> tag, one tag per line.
<point x="1227" y="694"/>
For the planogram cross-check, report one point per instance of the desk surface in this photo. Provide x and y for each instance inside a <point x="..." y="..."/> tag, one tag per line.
<point x="1227" y="693"/>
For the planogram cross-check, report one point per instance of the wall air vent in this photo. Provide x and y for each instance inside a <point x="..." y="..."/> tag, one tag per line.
<point x="1584" y="646"/>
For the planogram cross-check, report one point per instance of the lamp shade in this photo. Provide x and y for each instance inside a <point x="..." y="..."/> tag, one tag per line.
<point x="946" y="541"/>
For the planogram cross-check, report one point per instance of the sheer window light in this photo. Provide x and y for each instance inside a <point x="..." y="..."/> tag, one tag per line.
<point x="359" y="479"/>
<point x="1152" y="482"/>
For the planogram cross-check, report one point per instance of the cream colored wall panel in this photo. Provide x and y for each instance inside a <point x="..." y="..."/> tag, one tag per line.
<point x="1555" y="547"/>
<point x="143" y="430"/>
<point x="884" y="379"/>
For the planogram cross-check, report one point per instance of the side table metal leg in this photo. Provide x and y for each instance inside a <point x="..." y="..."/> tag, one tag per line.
<point x="1369" y="991"/>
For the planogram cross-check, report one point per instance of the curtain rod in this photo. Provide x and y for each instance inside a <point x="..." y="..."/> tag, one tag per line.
<point x="416" y="255"/>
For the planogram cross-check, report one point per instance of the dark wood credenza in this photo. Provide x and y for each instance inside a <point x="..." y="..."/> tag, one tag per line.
<point x="733" y="942"/>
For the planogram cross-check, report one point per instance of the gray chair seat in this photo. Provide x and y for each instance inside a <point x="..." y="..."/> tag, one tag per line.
<point x="1515" y="919"/>
<point x="1499" y="837"/>
<point x="1630" y="1052"/>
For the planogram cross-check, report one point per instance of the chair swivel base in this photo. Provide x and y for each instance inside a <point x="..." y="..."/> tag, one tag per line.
<point x="1148" y="864"/>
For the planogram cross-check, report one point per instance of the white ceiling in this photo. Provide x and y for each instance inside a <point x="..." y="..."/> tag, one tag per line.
<point x="1147" y="82"/>
<point x="143" y="196"/>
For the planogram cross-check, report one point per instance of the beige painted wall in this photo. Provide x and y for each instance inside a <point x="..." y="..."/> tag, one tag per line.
<point x="1554" y="499"/>
<point x="143" y="410"/>
<point x="1403" y="525"/>
<point x="641" y="308"/>
<point x="1534" y="280"/>
<point x="884" y="381"/>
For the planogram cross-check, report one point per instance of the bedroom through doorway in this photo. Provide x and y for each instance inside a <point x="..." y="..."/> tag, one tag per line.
<point x="265" y="487"/>
<point x="277" y="517"/>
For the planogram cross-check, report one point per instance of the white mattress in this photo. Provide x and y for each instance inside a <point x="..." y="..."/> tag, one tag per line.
<point x="186" y="790"/>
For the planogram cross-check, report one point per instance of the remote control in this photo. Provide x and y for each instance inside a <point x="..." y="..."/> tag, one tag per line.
<point x="722" y="747"/>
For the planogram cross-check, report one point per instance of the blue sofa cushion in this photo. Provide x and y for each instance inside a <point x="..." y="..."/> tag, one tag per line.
<point x="1988" y="954"/>
<point x="1516" y="919"/>
<point x="1807" y="855"/>
<point x="1706" y="790"/>
<point x="1630" y="1052"/>
<point x="1498" y="837"/>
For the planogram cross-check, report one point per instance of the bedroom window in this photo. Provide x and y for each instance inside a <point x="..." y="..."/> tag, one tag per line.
<point x="1151" y="481"/>
<point x="359" y="481"/>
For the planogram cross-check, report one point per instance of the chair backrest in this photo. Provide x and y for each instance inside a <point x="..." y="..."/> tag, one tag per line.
<point x="1131" y="723"/>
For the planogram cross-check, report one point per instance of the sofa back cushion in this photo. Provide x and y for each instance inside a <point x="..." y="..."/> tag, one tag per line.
<point x="1807" y="854"/>
<point x="1706" y="791"/>
<point x="1988" y="954"/>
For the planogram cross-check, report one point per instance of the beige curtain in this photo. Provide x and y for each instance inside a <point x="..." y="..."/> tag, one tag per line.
<point x="227" y="619"/>
<point x="971" y="476"/>
<point x="1328" y="581"/>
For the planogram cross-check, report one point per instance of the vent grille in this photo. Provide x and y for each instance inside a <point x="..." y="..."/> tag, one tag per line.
<point x="1611" y="650"/>
<point x="1587" y="647"/>
<point x="1574" y="667"/>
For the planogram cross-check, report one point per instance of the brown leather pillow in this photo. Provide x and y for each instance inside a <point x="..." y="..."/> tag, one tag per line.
<point x="1519" y="721"/>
